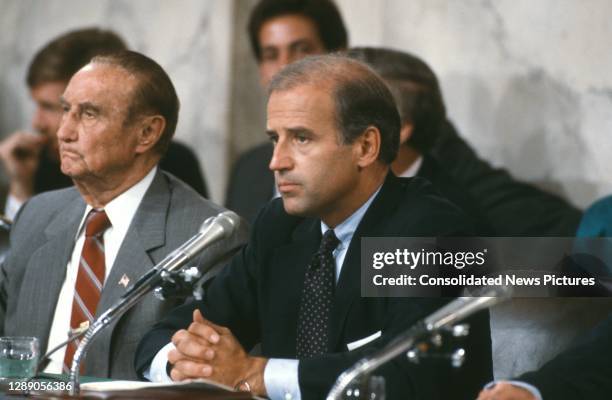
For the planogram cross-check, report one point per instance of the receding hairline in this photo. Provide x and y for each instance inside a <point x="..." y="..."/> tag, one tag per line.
<point x="130" y="92"/>
<point x="331" y="70"/>
<point x="91" y="66"/>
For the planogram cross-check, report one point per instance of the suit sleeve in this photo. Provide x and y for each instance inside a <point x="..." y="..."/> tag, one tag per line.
<point x="582" y="372"/>
<point x="232" y="300"/>
<point x="5" y="266"/>
<point x="229" y="300"/>
<point x="403" y="378"/>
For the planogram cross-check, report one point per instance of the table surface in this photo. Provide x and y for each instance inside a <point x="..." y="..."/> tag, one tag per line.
<point x="195" y="390"/>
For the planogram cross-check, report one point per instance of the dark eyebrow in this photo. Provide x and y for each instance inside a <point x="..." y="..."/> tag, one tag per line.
<point x="300" y="130"/>
<point x="295" y="43"/>
<point x="300" y="42"/>
<point x="268" y="48"/>
<point x="271" y="132"/>
<point x="49" y="105"/>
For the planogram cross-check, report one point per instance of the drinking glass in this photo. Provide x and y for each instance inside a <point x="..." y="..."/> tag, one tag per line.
<point x="18" y="357"/>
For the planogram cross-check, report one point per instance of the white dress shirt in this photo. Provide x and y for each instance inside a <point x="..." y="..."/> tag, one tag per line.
<point x="280" y="374"/>
<point x="524" y="385"/>
<point x="413" y="169"/>
<point x="120" y="212"/>
<point x="12" y="206"/>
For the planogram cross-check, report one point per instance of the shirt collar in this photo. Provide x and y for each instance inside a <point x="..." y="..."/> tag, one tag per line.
<point x="413" y="169"/>
<point x="122" y="208"/>
<point x="345" y="230"/>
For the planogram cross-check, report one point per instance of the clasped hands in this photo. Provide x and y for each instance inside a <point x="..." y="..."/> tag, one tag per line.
<point x="207" y="350"/>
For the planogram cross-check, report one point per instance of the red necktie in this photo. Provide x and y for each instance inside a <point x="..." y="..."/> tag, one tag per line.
<point x="90" y="277"/>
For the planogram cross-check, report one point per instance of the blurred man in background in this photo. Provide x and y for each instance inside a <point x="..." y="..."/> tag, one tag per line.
<point x="417" y="93"/>
<point x="31" y="160"/>
<point x="510" y="207"/>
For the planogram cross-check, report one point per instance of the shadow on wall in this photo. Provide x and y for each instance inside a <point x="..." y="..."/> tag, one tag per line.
<point x="533" y="129"/>
<point x="10" y="109"/>
<point x="10" y="112"/>
<point x="470" y="105"/>
<point x="538" y="125"/>
<point x="247" y="102"/>
<point x="526" y="333"/>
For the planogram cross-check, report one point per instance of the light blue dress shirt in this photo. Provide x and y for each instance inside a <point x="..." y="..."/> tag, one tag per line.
<point x="281" y="375"/>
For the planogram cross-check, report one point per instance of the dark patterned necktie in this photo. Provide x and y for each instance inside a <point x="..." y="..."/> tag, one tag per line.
<point x="317" y="299"/>
<point x="90" y="277"/>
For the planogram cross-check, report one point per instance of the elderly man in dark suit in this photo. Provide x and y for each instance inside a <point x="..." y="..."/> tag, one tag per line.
<point x="296" y="286"/>
<point x="75" y="251"/>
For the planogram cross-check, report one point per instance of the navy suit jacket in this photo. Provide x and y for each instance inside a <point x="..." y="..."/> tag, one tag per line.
<point x="258" y="297"/>
<point x="582" y="372"/>
<point x="502" y="205"/>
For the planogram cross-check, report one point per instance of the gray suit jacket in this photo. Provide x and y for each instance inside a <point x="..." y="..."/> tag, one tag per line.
<point x="42" y="241"/>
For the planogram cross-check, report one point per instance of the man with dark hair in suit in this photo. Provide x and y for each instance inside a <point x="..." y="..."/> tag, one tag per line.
<point x="296" y="286"/>
<point x="417" y="93"/>
<point x="510" y="207"/>
<point x="75" y="251"/>
<point x="280" y="32"/>
<point x="32" y="160"/>
<point x="284" y="31"/>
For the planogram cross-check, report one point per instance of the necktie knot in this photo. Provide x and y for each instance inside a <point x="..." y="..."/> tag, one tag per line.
<point x="329" y="242"/>
<point x="97" y="222"/>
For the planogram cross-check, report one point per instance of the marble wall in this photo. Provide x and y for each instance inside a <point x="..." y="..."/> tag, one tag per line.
<point x="526" y="82"/>
<point x="191" y="39"/>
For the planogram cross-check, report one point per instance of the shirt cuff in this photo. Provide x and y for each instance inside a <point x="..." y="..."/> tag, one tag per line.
<point x="524" y="385"/>
<point x="12" y="206"/>
<point x="157" y="371"/>
<point x="281" y="379"/>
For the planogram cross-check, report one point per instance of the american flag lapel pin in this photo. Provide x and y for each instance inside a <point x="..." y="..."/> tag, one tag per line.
<point x="124" y="281"/>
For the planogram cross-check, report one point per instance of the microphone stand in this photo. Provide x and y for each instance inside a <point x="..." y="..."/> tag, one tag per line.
<point x="147" y="283"/>
<point x="126" y="302"/>
<point x="445" y="317"/>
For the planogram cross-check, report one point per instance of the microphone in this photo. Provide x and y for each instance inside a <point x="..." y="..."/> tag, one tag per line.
<point x="212" y="230"/>
<point x="444" y="317"/>
<point x="463" y="307"/>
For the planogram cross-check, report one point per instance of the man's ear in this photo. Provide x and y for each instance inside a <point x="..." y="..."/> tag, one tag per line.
<point x="406" y="132"/>
<point x="150" y="132"/>
<point x="367" y="147"/>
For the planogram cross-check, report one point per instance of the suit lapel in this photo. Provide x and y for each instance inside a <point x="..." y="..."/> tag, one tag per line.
<point x="288" y="268"/>
<point x="47" y="271"/>
<point x="146" y="233"/>
<point x="348" y="288"/>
